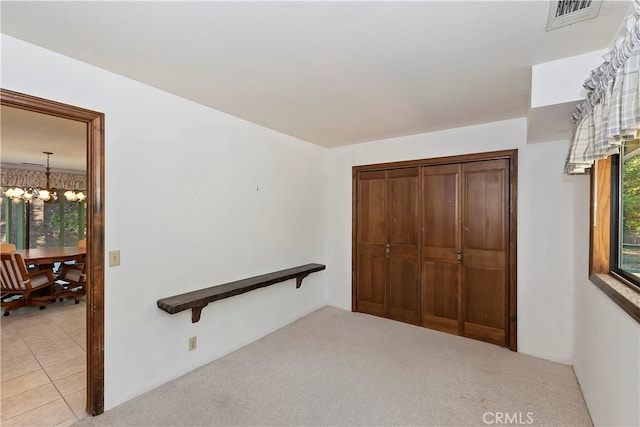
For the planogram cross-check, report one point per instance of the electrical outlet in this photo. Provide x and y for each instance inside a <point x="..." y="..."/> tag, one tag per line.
<point x="192" y="343"/>
<point x="114" y="258"/>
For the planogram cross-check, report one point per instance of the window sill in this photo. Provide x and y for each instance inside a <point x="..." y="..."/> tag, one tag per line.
<point x="627" y="298"/>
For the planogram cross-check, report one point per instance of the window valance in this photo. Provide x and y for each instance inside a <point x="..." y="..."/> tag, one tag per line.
<point x="31" y="178"/>
<point x="610" y="113"/>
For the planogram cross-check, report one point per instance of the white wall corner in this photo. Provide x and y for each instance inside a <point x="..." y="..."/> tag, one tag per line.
<point x="559" y="82"/>
<point x="556" y="88"/>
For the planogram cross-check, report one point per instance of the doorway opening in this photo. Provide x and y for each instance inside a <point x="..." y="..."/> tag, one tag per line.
<point x="95" y="231"/>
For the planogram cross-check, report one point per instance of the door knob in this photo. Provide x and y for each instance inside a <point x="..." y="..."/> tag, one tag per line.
<point x="388" y="250"/>
<point x="459" y="256"/>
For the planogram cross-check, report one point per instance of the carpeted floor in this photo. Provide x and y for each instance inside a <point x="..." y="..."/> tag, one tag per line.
<point x="335" y="368"/>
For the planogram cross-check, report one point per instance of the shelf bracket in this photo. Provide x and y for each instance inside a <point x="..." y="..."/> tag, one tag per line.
<point x="195" y="312"/>
<point x="299" y="279"/>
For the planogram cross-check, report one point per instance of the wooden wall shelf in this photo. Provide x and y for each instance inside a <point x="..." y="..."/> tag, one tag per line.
<point x="197" y="300"/>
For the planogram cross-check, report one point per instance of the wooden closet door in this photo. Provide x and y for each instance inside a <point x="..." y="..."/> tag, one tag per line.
<point x="371" y="240"/>
<point x="485" y="196"/>
<point x="404" y="239"/>
<point x="441" y="241"/>
<point x="435" y="244"/>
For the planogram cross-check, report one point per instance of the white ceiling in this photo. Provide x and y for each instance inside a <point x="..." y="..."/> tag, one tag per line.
<point x="332" y="73"/>
<point x="25" y="135"/>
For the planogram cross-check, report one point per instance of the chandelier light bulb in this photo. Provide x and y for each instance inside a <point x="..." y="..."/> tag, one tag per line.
<point x="44" y="195"/>
<point x="74" y="195"/>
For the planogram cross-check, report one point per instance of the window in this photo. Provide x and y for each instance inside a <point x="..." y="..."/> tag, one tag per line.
<point x="614" y="263"/>
<point x="625" y="213"/>
<point x="60" y="223"/>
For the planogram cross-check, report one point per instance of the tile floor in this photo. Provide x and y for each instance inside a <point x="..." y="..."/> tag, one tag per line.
<point x="43" y="369"/>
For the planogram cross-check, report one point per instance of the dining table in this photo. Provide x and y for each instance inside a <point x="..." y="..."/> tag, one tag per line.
<point x="49" y="256"/>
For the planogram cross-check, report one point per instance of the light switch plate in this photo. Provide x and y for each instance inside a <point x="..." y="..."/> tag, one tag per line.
<point x="114" y="258"/>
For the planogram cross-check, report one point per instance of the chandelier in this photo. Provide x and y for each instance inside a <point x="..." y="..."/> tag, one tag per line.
<point x="46" y="194"/>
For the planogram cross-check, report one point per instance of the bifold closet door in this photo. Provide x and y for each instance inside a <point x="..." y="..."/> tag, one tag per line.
<point x="387" y="239"/>
<point x="441" y="242"/>
<point x="404" y="245"/>
<point x="485" y="243"/>
<point x="371" y="240"/>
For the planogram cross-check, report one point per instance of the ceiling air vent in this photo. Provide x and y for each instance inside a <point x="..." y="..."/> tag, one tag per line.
<point x="568" y="12"/>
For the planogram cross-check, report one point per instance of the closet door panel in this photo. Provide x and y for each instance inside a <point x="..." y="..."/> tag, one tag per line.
<point x="440" y="296"/>
<point x="441" y="206"/>
<point x="371" y="281"/>
<point x="485" y="202"/>
<point x="484" y="304"/>
<point x="371" y="237"/>
<point x="484" y="245"/>
<point x="403" y="290"/>
<point x="404" y="237"/>
<point x="440" y="243"/>
<point x="372" y="208"/>
<point x="403" y="207"/>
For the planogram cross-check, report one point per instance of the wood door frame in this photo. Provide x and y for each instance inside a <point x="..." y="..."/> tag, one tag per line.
<point x="512" y="156"/>
<point x="95" y="230"/>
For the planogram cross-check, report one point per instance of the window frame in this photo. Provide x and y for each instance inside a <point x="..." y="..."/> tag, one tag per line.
<point x="615" y="286"/>
<point x="616" y="211"/>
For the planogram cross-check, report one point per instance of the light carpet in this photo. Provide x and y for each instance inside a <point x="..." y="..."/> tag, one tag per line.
<point x="337" y="368"/>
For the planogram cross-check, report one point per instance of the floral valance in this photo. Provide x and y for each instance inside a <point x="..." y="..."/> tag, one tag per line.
<point x="610" y="114"/>
<point x="31" y="178"/>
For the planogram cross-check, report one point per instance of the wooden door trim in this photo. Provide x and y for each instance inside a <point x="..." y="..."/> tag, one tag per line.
<point x="513" y="249"/>
<point x="464" y="158"/>
<point x="354" y="240"/>
<point x="95" y="230"/>
<point x="512" y="156"/>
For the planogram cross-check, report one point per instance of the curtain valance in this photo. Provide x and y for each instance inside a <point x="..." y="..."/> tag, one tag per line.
<point x="610" y="114"/>
<point x="31" y="178"/>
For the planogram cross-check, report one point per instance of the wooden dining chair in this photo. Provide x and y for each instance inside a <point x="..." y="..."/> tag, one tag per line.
<point x="82" y="244"/>
<point x="7" y="248"/>
<point x="20" y="287"/>
<point x="71" y="282"/>
<point x="72" y="278"/>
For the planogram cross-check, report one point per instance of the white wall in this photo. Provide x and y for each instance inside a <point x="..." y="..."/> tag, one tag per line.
<point x="607" y="358"/>
<point x="193" y="198"/>
<point x="606" y="342"/>
<point x="545" y="223"/>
